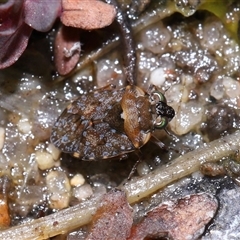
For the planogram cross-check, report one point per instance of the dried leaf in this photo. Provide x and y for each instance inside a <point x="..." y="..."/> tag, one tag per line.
<point x="113" y="219"/>
<point x="41" y="15"/>
<point x="66" y="49"/>
<point x="87" y="14"/>
<point x="180" y="220"/>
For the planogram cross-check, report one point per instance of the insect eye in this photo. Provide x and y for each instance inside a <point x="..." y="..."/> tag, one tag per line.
<point x="162" y="123"/>
<point x="160" y="96"/>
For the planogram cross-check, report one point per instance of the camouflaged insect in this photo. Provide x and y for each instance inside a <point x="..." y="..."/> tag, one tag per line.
<point x="110" y="122"/>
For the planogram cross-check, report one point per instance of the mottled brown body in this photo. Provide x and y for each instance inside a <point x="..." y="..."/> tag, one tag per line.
<point x="105" y="123"/>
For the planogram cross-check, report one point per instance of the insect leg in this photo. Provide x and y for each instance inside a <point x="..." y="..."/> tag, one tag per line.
<point x="133" y="170"/>
<point x="153" y="139"/>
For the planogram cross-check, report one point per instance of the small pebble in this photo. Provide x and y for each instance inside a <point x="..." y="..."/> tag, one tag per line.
<point x="59" y="189"/>
<point x="232" y="87"/>
<point x="44" y="160"/>
<point x="187" y="117"/>
<point x="24" y="126"/>
<point x="83" y="192"/>
<point x="156" y="38"/>
<point x="157" y="77"/>
<point x="55" y="152"/>
<point x="77" y="180"/>
<point x="217" y="89"/>
<point x="59" y="201"/>
<point x="143" y="168"/>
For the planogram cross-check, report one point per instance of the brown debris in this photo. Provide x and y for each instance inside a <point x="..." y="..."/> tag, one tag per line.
<point x="4" y="213"/>
<point x="66" y="49"/>
<point x="87" y="14"/>
<point x="213" y="169"/>
<point x="180" y="220"/>
<point x="113" y="219"/>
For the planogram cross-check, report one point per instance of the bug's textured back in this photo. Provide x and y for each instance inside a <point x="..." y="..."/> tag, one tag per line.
<point x="91" y="127"/>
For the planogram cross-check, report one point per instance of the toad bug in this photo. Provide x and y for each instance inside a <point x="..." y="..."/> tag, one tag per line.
<point x="110" y="122"/>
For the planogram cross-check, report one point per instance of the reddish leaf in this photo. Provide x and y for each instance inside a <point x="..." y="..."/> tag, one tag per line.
<point x="10" y="13"/>
<point x="113" y="219"/>
<point x="183" y="219"/>
<point x="13" y="45"/>
<point x="87" y="14"/>
<point x="14" y="33"/>
<point x="41" y="14"/>
<point x="66" y="49"/>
